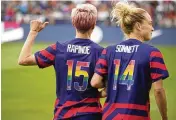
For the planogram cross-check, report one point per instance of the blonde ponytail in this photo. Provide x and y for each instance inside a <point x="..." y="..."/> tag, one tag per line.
<point x="127" y="15"/>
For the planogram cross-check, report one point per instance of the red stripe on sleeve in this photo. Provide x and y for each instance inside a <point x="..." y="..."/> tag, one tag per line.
<point x="155" y="75"/>
<point x="158" y="65"/>
<point x="156" y="54"/>
<point x="41" y="63"/>
<point x="47" y="55"/>
<point x="102" y="71"/>
<point x="104" y="52"/>
<point x="53" y="46"/>
<point x="102" y="61"/>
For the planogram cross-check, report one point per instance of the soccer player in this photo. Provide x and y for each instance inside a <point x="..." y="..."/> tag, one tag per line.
<point x="74" y="62"/>
<point x="131" y="68"/>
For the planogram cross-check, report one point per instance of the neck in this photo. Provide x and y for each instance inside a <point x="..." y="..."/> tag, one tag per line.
<point x="135" y="36"/>
<point x="83" y="36"/>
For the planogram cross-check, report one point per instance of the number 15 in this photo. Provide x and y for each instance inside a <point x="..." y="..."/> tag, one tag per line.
<point x="78" y="73"/>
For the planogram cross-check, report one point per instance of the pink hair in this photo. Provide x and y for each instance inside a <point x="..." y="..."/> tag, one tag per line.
<point x="84" y="17"/>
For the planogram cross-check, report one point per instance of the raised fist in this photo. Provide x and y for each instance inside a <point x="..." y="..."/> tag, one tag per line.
<point x="37" y="25"/>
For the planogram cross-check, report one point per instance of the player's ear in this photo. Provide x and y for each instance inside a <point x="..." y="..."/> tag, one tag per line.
<point x="138" y="26"/>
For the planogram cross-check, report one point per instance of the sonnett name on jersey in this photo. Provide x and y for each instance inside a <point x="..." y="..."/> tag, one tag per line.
<point x="127" y="49"/>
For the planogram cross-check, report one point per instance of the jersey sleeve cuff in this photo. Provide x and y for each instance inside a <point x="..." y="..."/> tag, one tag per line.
<point x="102" y="75"/>
<point x="162" y="77"/>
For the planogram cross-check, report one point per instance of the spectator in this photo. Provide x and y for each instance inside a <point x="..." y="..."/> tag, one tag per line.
<point x="162" y="12"/>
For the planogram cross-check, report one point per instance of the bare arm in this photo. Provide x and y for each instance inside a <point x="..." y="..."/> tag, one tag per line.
<point x="97" y="81"/>
<point x="160" y="97"/>
<point x="26" y="57"/>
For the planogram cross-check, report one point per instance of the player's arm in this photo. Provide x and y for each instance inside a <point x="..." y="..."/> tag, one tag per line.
<point x="97" y="81"/>
<point x="100" y="71"/>
<point x="160" y="98"/>
<point x="26" y="57"/>
<point x="158" y="74"/>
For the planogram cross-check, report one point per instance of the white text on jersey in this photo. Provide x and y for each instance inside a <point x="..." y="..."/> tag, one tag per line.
<point x="127" y="49"/>
<point x="78" y="49"/>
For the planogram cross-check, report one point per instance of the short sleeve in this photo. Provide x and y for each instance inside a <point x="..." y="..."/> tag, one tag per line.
<point x="46" y="57"/>
<point x="158" y="68"/>
<point x="101" y="67"/>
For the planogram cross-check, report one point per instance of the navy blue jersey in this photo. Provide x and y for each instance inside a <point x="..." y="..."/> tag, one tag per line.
<point x="74" y="63"/>
<point x="130" y="68"/>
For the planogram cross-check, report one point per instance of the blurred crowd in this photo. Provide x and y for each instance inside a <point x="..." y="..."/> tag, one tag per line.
<point x="163" y="12"/>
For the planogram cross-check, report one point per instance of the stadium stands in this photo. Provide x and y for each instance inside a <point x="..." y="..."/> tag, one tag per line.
<point x="162" y="12"/>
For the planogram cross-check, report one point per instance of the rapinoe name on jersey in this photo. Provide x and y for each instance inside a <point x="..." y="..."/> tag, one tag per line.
<point x="127" y="49"/>
<point x="78" y="49"/>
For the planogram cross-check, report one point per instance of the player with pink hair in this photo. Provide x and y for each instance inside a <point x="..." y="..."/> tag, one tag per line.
<point x="74" y="62"/>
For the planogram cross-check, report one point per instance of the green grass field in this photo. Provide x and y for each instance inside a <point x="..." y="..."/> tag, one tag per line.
<point x="28" y="93"/>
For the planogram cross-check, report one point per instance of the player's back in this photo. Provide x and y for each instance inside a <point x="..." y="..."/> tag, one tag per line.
<point x="131" y="65"/>
<point x="74" y="65"/>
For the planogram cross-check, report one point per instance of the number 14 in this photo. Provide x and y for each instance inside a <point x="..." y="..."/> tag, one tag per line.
<point x="127" y="77"/>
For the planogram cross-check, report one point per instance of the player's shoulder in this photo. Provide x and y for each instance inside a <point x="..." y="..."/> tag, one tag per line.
<point x="149" y="48"/>
<point x="96" y="46"/>
<point x="111" y="48"/>
<point x="59" y="44"/>
<point x="63" y="44"/>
